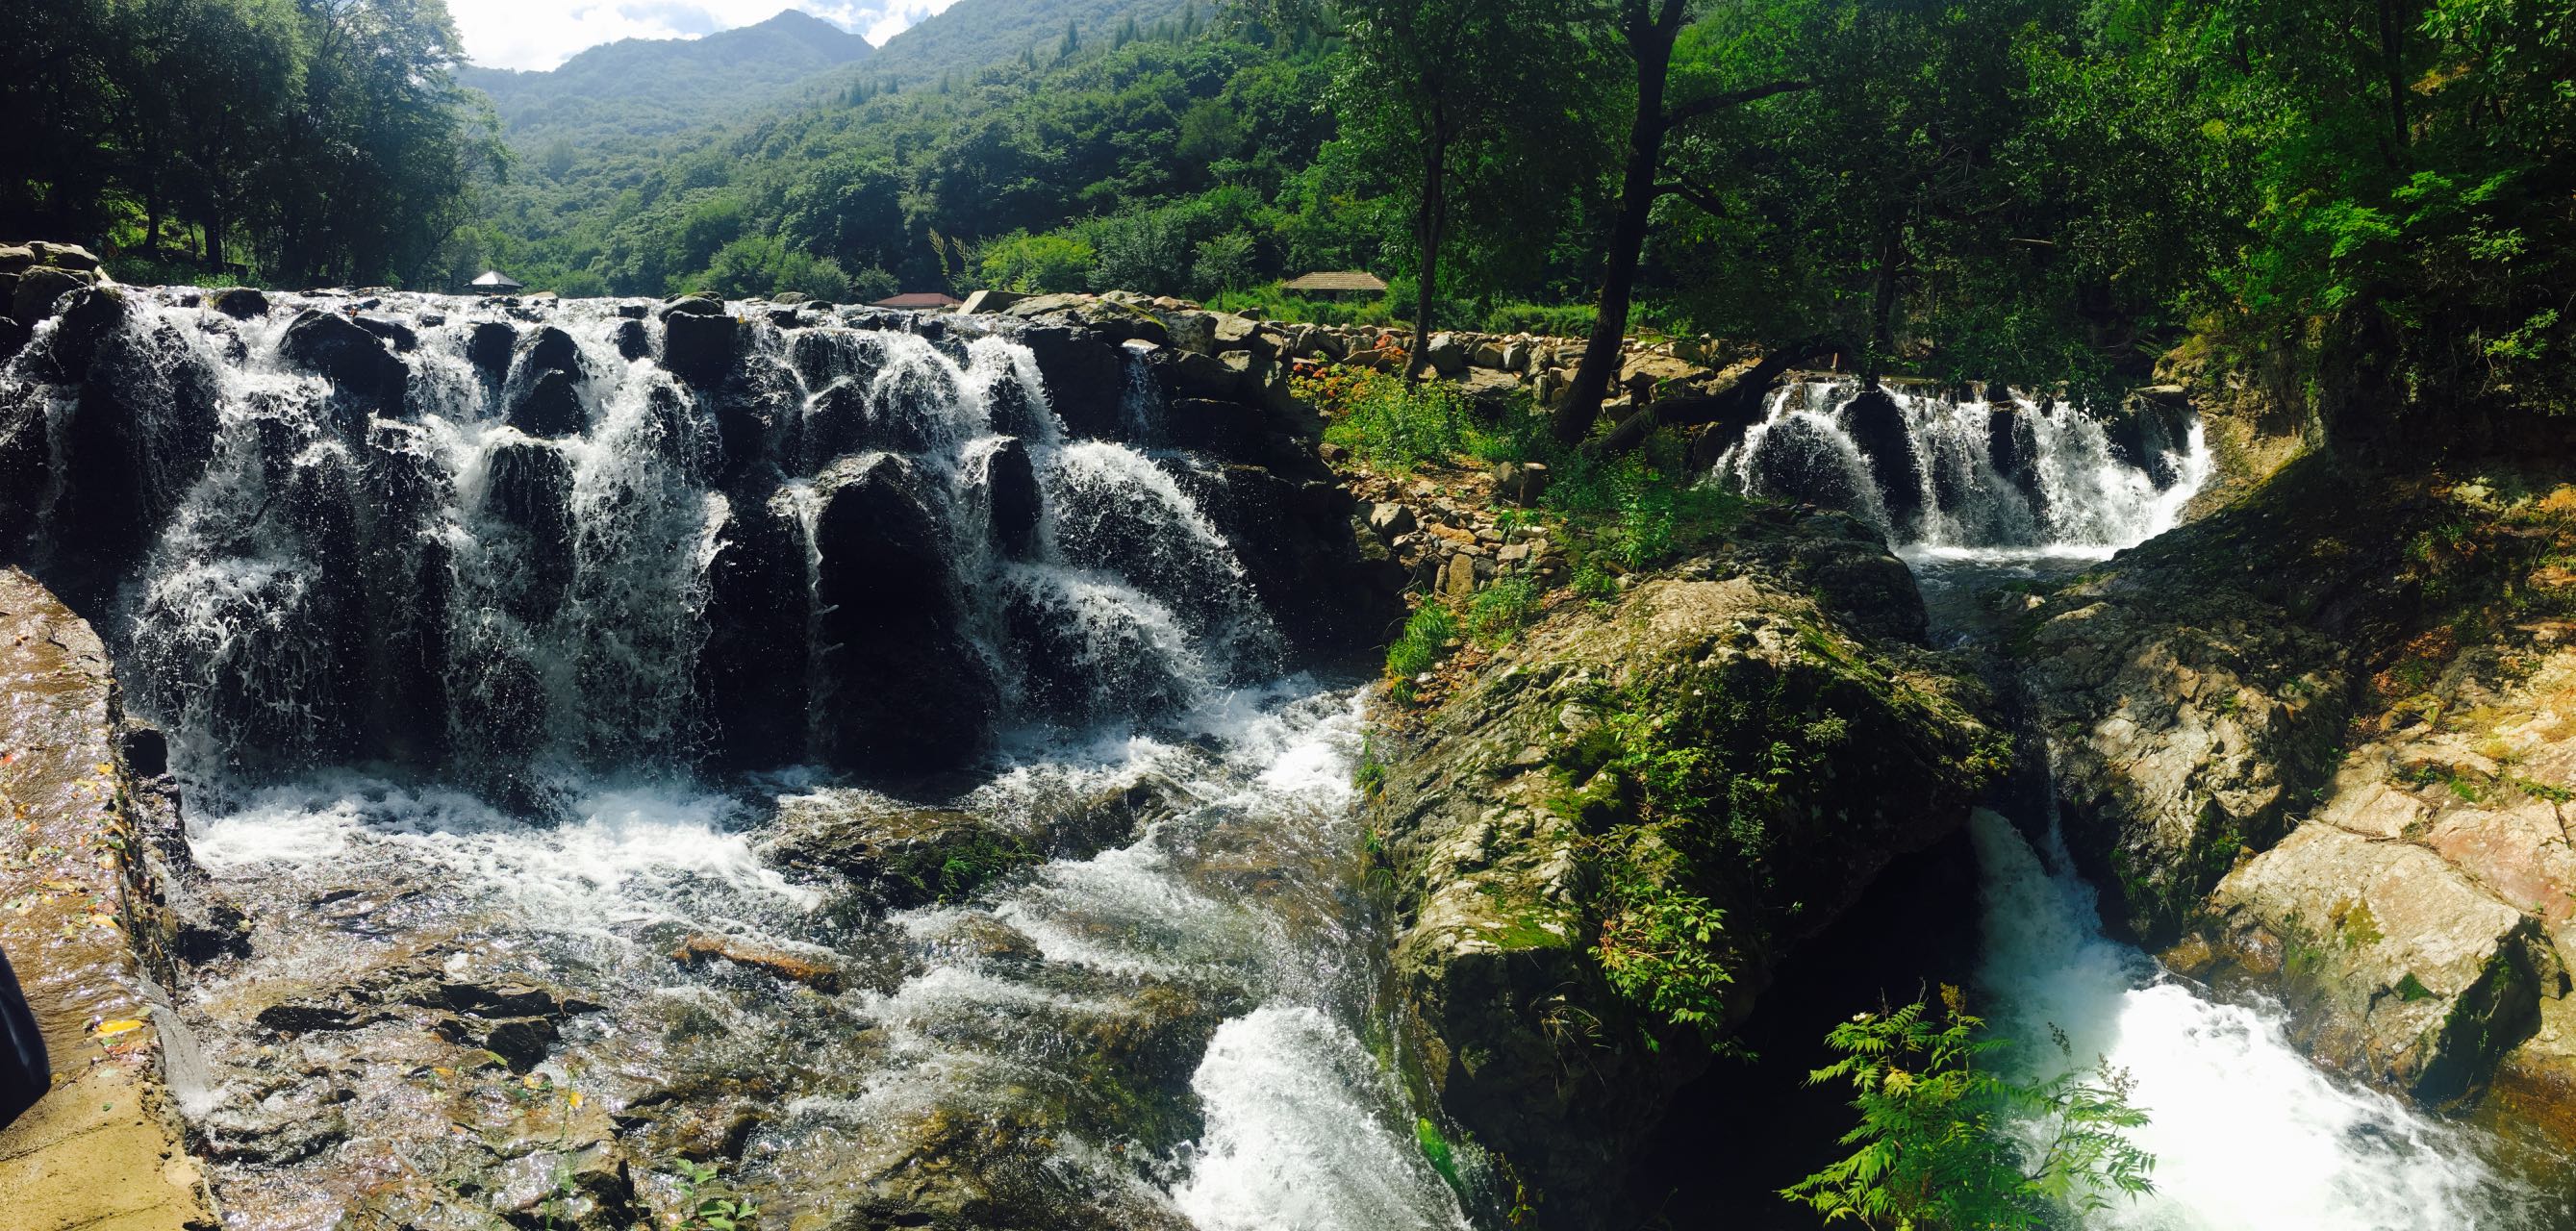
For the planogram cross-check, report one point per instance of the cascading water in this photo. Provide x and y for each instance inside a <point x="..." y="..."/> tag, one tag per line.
<point x="2249" y="1136"/>
<point x="519" y="659"/>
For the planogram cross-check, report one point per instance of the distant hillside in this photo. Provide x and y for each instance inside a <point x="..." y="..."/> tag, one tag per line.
<point x="975" y="33"/>
<point x="649" y="87"/>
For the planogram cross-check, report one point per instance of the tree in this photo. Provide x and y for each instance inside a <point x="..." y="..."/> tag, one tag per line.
<point x="1946" y="1144"/>
<point x="1461" y="104"/>
<point x="1647" y="31"/>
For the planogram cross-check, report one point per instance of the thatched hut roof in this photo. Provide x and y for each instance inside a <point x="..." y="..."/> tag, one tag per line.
<point x="1343" y="282"/>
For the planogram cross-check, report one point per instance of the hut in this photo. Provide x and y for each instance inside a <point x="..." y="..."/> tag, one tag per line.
<point x="1345" y="284"/>
<point x="494" y="282"/>
<point x="921" y="301"/>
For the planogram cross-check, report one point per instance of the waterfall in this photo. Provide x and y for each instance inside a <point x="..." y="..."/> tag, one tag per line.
<point x="1962" y="474"/>
<point x="510" y="644"/>
<point x="2248" y="1136"/>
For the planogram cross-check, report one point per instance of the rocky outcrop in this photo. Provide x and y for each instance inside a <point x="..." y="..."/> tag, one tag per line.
<point x="104" y="1147"/>
<point x="2312" y="744"/>
<point x="1719" y="746"/>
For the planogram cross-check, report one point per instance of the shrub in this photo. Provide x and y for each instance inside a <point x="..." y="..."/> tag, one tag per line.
<point x="1948" y="1145"/>
<point x="1033" y="264"/>
<point x="1425" y="638"/>
<point x="1388" y="424"/>
<point x="1498" y="612"/>
<point x="1562" y="321"/>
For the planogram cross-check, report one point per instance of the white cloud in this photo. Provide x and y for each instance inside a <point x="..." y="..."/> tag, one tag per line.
<point x="540" y="34"/>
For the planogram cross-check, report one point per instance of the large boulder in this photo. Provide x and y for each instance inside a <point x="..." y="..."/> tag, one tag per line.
<point x="40" y="286"/>
<point x="903" y="690"/>
<point x="1522" y="848"/>
<point x="1012" y="500"/>
<point x="550" y="407"/>
<point x="699" y="347"/>
<point x="757" y="603"/>
<point x="530" y="492"/>
<point x="2396" y="965"/>
<point x="1876" y="424"/>
<point x="548" y="349"/>
<point x="365" y="377"/>
<point x="488" y="346"/>
<point x="1086" y="378"/>
<point x="238" y="302"/>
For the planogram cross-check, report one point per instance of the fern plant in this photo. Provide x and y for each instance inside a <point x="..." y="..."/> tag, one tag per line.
<point x="1947" y="1143"/>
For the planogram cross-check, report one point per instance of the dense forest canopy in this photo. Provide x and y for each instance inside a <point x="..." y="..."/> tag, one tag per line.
<point x="2376" y="197"/>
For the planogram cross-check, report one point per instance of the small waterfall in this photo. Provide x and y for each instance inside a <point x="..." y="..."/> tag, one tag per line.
<point x="2248" y="1136"/>
<point x="1942" y="472"/>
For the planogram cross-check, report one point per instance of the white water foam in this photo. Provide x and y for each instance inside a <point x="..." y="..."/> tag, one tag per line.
<point x="1297" y="1138"/>
<point x="2247" y="1134"/>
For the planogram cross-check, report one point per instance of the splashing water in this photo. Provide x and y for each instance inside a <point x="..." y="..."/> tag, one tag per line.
<point x="2247" y="1134"/>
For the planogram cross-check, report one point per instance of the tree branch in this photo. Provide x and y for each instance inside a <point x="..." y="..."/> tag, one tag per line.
<point x="1714" y="103"/>
<point x="1738" y="405"/>
<point x="1701" y="197"/>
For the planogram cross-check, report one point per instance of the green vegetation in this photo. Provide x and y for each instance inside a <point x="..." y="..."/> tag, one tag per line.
<point x="1497" y="613"/>
<point x="1422" y="644"/>
<point x="1388" y="423"/>
<point x="705" y="1206"/>
<point x="1946" y="1144"/>
<point x="311" y="141"/>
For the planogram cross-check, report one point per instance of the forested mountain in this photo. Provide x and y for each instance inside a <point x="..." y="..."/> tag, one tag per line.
<point x="1156" y="140"/>
<point x="974" y="33"/>
<point x="645" y="87"/>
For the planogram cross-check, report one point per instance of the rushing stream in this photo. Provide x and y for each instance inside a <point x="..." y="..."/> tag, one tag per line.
<point x="836" y="747"/>
<point x="2248" y="1135"/>
<point x="595" y="624"/>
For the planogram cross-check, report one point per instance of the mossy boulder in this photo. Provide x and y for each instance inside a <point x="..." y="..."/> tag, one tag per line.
<point x="1604" y="844"/>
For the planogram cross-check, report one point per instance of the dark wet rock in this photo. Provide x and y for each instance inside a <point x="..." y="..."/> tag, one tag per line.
<point x="1876" y="424"/>
<point x="1294" y="532"/>
<point x="13" y="337"/>
<point x="2014" y="446"/>
<point x="1231" y="428"/>
<point x="633" y="342"/>
<point x="901" y="856"/>
<point x="489" y="347"/>
<point x="1085" y="377"/>
<point x="551" y="407"/>
<point x="530" y="491"/>
<point x="693" y="305"/>
<point x="520" y="1042"/>
<point x="633" y="311"/>
<point x="905" y="692"/>
<point x="239" y="302"/>
<point x="365" y="376"/>
<point x="698" y="347"/>
<point x="756" y="604"/>
<point x="273" y="1132"/>
<point x="1013" y="502"/>
<point x="548" y="350"/>
<point x="302" y="1017"/>
<point x="394" y="333"/>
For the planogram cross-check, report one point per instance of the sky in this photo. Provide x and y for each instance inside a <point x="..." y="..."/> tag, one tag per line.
<point x="540" y="34"/>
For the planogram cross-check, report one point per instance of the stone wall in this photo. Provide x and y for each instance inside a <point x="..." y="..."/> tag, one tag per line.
<point x="103" y="1151"/>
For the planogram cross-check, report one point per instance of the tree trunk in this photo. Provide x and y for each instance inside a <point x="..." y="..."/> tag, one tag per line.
<point x="1433" y="220"/>
<point x="1652" y="48"/>
<point x="1882" y="313"/>
<point x="2392" y="51"/>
